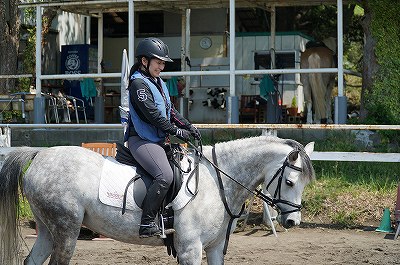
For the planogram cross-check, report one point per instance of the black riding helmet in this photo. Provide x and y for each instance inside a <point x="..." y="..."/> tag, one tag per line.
<point x="153" y="48"/>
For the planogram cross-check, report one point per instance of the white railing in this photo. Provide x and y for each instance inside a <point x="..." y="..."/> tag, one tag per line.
<point x="266" y="129"/>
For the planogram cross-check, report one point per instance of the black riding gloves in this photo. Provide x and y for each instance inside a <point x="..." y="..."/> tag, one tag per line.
<point x="194" y="132"/>
<point x="183" y="134"/>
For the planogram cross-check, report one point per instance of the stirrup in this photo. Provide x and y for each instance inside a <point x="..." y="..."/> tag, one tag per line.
<point x="149" y="230"/>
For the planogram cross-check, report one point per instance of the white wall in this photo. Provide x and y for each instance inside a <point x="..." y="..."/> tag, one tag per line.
<point x="246" y="46"/>
<point x="71" y="28"/>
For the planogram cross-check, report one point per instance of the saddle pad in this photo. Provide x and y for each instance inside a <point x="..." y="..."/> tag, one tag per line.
<point x="115" y="177"/>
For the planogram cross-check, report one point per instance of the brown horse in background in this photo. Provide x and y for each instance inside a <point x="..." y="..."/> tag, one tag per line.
<point x="318" y="87"/>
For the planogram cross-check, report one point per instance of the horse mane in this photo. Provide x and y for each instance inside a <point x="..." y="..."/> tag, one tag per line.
<point x="307" y="168"/>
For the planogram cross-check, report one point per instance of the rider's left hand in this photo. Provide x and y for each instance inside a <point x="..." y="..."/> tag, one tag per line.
<point x="194" y="132"/>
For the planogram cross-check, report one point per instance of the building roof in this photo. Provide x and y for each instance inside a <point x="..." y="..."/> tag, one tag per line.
<point x="96" y="6"/>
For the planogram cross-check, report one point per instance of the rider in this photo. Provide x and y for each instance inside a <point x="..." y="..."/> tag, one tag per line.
<point x="152" y="119"/>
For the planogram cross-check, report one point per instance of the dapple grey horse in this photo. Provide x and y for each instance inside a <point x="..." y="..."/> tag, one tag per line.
<point x="61" y="185"/>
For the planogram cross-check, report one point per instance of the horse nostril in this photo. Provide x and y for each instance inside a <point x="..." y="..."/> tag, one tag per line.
<point x="289" y="223"/>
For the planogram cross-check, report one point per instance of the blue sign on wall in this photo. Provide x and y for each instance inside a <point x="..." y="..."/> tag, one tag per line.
<point x="75" y="59"/>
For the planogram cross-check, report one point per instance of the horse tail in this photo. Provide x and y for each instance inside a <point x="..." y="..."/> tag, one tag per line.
<point x="11" y="173"/>
<point x="317" y="87"/>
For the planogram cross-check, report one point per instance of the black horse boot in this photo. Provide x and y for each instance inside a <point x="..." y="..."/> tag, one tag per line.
<point x="151" y="204"/>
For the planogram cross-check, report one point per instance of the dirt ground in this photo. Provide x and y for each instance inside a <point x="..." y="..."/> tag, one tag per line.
<point x="302" y="245"/>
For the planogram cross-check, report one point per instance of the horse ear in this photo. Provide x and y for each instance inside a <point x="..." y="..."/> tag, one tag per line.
<point x="293" y="156"/>
<point x="309" y="148"/>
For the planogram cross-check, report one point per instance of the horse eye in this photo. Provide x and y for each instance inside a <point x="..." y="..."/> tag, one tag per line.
<point x="289" y="183"/>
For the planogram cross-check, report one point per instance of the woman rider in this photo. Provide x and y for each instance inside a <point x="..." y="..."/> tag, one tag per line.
<point x="152" y="119"/>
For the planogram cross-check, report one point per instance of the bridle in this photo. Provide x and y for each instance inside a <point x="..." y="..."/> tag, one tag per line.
<point x="273" y="201"/>
<point x="270" y="200"/>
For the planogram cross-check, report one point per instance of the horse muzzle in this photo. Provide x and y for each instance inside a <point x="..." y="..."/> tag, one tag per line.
<point x="289" y="220"/>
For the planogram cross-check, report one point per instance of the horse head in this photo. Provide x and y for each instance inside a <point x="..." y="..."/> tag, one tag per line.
<point x="287" y="184"/>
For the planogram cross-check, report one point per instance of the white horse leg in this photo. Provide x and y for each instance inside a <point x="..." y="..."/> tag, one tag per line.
<point x="328" y="111"/>
<point x="309" y="113"/>
<point x="65" y="231"/>
<point x="328" y="101"/>
<point x="64" y="244"/>
<point x="189" y="253"/>
<point x="43" y="246"/>
<point x="215" y="255"/>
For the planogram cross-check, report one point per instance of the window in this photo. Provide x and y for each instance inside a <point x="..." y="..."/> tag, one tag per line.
<point x="151" y="22"/>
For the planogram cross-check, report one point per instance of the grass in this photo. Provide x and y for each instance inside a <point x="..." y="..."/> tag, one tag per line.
<point x="351" y="194"/>
<point x="24" y="209"/>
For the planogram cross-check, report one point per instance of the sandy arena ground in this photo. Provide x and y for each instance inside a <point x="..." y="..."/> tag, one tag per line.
<point x="302" y="245"/>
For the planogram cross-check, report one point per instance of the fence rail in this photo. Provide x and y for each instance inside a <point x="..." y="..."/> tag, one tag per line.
<point x="267" y="129"/>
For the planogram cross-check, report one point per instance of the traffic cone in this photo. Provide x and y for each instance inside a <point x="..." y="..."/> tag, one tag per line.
<point x="385" y="225"/>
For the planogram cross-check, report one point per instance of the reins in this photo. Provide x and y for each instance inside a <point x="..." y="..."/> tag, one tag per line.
<point x="258" y="192"/>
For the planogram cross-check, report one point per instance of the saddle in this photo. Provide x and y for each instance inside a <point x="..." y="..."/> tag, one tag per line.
<point x="143" y="179"/>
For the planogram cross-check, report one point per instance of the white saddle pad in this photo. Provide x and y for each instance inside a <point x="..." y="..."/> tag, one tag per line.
<point x="115" y="177"/>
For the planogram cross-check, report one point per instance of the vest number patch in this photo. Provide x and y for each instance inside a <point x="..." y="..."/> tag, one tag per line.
<point x="141" y="94"/>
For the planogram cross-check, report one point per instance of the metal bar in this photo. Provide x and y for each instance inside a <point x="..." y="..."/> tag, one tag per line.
<point x="216" y="126"/>
<point x="131" y="36"/>
<point x="340" y="47"/>
<point x="192" y="73"/>
<point x="232" y="65"/>
<point x="188" y="13"/>
<point x="81" y="76"/>
<point x="72" y="3"/>
<point x="38" y="51"/>
<point x="273" y="36"/>
<point x="15" y="76"/>
<point x="100" y="43"/>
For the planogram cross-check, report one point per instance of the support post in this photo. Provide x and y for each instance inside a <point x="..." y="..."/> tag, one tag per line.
<point x="185" y="100"/>
<point x="340" y="100"/>
<point x="99" y="100"/>
<point x="38" y="103"/>
<point x="232" y="106"/>
<point x="131" y="37"/>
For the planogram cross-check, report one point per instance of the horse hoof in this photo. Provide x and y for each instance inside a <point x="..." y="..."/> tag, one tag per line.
<point x="169" y="231"/>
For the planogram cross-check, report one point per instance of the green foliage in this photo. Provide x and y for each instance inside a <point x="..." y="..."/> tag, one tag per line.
<point x="10" y="116"/>
<point x="323" y="21"/>
<point x="24" y="209"/>
<point x="383" y="100"/>
<point x="29" y="62"/>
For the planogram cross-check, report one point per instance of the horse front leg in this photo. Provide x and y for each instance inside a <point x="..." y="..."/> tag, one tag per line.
<point x="215" y="255"/>
<point x="189" y="253"/>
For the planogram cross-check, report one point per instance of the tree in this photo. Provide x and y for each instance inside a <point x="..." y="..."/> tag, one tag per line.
<point x="381" y="74"/>
<point x="9" y="42"/>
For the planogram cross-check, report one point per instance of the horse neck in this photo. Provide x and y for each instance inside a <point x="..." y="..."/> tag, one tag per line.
<point x="248" y="161"/>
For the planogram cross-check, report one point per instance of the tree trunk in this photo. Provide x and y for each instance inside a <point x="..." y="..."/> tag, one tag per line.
<point x="9" y="43"/>
<point x="370" y="64"/>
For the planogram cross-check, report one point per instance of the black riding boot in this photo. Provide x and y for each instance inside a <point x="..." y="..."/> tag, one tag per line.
<point x="151" y="204"/>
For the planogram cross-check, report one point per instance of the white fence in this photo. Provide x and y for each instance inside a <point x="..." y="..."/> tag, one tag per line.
<point x="5" y="136"/>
